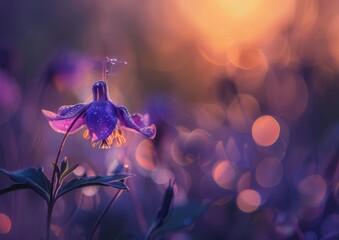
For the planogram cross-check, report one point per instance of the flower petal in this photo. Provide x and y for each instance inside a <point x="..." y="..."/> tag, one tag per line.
<point x="140" y="120"/>
<point x="135" y="122"/>
<point x="66" y="114"/>
<point x="101" y="120"/>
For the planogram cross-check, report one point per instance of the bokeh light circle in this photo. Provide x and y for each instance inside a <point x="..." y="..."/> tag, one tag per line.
<point x="248" y="200"/>
<point x="161" y="176"/>
<point x="265" y="130"/>
<point x="90" y="191"/>
<point x="242" y="111"/>
<point x="269" y="172"/>
<point x="313" y="189"/>
<point x="5" y="223"/>
<point x="224" y="174"/>
<point x="244" y="181"/>
<point x="188" y="147"/>
<point x="144" y="155"/>
<point x="287" y="95"/>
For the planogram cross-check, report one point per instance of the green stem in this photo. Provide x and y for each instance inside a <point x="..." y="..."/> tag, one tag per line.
<point x="52" y="192"/>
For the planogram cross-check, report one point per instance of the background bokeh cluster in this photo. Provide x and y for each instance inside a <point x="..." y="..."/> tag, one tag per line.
<point x="244" y="95"/>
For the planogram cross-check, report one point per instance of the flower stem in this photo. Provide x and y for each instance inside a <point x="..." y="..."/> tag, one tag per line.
<point x="53" y="192"/>
<point x="115" y="197"/>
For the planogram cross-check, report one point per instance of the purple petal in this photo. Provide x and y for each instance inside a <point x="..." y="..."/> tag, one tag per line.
<point x="135" y="122"/>
<point x="66" y="114"/>
<point x="71" y="110"/>
<point x="101" y="120"/>
<point x="139" y="120"/>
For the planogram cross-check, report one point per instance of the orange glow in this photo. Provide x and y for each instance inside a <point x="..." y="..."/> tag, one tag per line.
<point x="166" y="40"/>
<point x="127" y="165"/>
<point x="333" y="38"/>
<point x="248" y="200"/>
<point x="89" y="191"/>
<point x="144" y="155"/>
<point x="287" y="95"/>
<point x="313" y="189"/>
<point x="223" y="174"/>
<point x="213" y="114"/>
<point x="265" y="131"/>
<point x="245" y="58"/>
<point x="161" y="176"/>
<point x="244" y="181"/>
<point x="79" y="171"/>
<point x="269" y="172"/>
<point x="5" y="223"/>
<point x="247" y="65"/>
<point x="242" y="111"/>
<point x="278" y="51"/>
<point x="56" y="230"/>
<point x="219" y="23"/>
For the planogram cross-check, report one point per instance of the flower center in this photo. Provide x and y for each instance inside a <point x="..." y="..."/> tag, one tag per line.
<point x="116" y="136"/>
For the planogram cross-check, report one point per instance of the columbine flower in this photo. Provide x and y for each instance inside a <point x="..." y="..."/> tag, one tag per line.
<point x="102" y="118"/>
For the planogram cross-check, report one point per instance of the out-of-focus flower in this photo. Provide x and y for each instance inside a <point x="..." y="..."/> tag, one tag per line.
<point x="102" y="118"/>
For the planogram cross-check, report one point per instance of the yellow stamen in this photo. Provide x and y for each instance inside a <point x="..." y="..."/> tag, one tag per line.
<point x="109" y="140"/>
<point x="119" y="132"/>
<point x="116" y="136"/>
<point x="114" y="133"/>
<point x="122" y="139"/>
<point x="86" y="134"/>
<point x="118" y="142"/>
<point x="94" y="144"/>
<point x="104" y="144"/>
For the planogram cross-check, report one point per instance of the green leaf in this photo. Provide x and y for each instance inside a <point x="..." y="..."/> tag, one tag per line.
<point x="181" y="217"/>
<point x="33" y="178"/>
<point x="110" y="181"/>
<point x="68" y="171"/>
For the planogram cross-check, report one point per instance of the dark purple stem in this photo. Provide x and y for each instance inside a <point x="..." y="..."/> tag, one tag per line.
<point x="115" y="197"/>
<point x="52" y="192"/>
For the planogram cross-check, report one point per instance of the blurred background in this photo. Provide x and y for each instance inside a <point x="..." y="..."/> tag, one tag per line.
<point x="244" y="95"/>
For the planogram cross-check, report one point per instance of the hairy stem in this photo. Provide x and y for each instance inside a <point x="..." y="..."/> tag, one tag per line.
<point x="115" y="197"/>
<point x="53" y="192"/>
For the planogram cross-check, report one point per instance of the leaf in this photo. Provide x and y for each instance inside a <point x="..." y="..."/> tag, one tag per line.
<point x="165" y="207"/>
<point x="57" y="170"/>
<point x="110" y="181"/>
<point x="163" y="211"/>
<point x="68" y="171"/>
<point x="181" y="217"/>
<point x="64" y="165"/>
<point x="14" y="188"/>
<point x="34" y="178"/>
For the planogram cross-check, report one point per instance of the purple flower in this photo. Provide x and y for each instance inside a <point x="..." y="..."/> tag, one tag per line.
<point x="102" y="118"/>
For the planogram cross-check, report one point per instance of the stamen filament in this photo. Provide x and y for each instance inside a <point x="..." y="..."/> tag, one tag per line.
<point x="86" y="134"/>
<point x="116" y="136"/>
